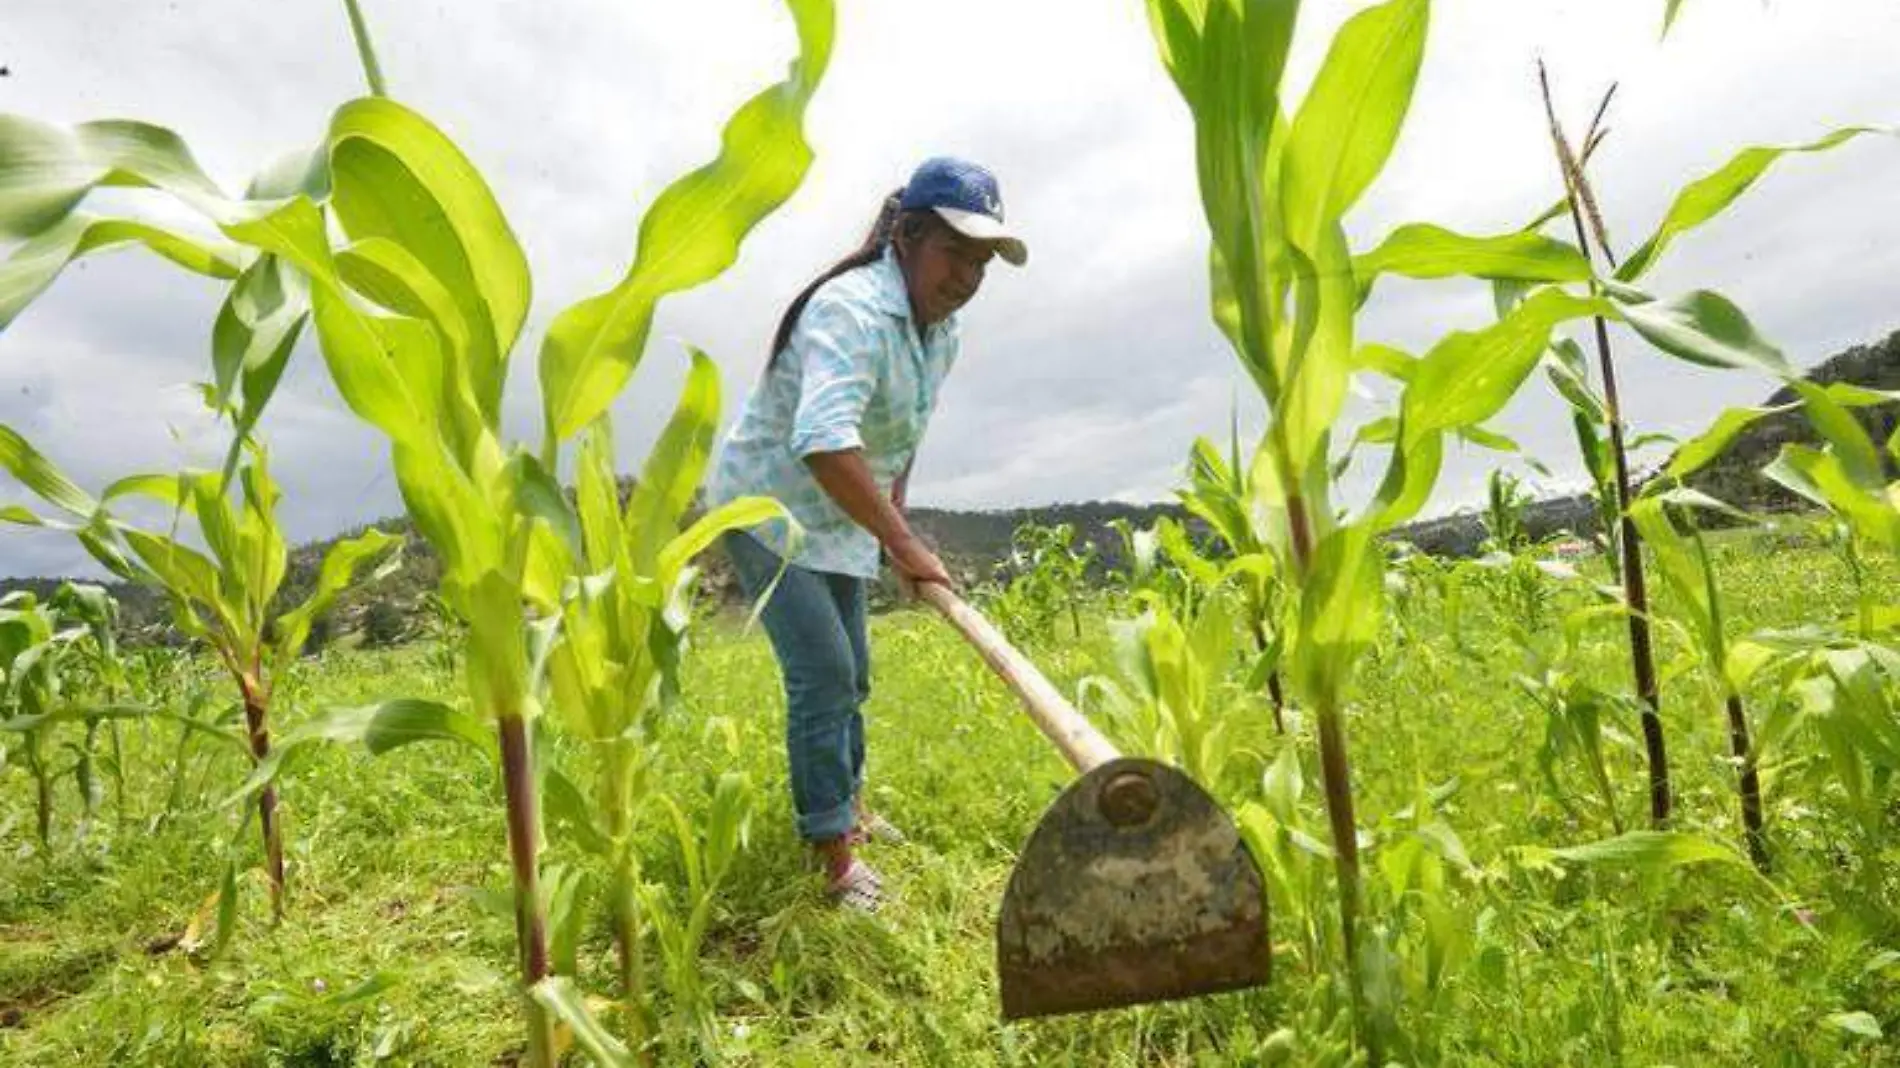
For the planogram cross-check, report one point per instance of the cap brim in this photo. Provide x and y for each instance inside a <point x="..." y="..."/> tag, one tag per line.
<point x="980" y="227"/>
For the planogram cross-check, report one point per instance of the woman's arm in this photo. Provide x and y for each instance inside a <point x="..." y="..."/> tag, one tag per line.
<point x="846" y="478"/>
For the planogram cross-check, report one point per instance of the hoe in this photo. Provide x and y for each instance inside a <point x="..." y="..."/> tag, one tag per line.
<point x="1134" y="887"/>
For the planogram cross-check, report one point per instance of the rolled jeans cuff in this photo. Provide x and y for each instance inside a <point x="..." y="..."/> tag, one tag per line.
<point x="831" y="823"/>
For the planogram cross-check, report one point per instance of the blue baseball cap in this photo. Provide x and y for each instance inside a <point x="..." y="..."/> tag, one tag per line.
<point x="964" y="195"/>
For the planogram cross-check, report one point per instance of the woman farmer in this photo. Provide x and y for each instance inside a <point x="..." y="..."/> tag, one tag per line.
<point x="830" y="430"/>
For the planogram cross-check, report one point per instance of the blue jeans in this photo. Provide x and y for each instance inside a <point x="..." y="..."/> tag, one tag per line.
<point x="815" y="620"/>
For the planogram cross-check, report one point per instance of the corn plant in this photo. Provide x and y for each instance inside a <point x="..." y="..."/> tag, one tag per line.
<point x="1430" y="934"/>
<point x="223" y="597"/>
<point x="1172" y="673"/>
<point x="1165" y="565"/>
<point x="708" y="848"/>
<point x="1842" y="682"/>
<point x="613" y="669"/>
<point x="93" y="608"/>
<point x="1217" y="492"/>
<point x="417" y="315"/>
<point x="30" y="641"/>
<point x="1600" y="425"/>
<point x="1726" y="662"/>
<point x="1287" y="289"/>
<point x="1043" y="578"/>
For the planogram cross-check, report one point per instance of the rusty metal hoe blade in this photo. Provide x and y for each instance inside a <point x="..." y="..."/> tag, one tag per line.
<point x="1135" y="887"/>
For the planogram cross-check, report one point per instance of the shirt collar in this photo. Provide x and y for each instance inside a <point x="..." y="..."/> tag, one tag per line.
<point x="892" y="295"/>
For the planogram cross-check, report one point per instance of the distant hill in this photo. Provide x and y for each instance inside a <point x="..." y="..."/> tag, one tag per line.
<point x="972" y="543"/>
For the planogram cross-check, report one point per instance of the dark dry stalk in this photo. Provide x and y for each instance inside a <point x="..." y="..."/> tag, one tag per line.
<point x="1336" y="776"/>
<point x="531" y="928"/>
<point x="1635" y="589"/>
<point x="1336" y="773"/>
<point x="1755" y="832"/>
<point x="1278" y="693"/>
<point x="44" y="813"/>
<point x="254" y="719"/>
<point x="1275" y="690"/>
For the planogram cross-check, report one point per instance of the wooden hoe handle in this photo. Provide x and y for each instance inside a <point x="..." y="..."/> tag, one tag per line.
<point x="1081" y="744"/>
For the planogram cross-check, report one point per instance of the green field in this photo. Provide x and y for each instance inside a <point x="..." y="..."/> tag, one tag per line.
<point x="389" y="956"/>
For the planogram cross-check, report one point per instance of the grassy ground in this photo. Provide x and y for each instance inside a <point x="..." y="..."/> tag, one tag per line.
<point x="390" y="956"/>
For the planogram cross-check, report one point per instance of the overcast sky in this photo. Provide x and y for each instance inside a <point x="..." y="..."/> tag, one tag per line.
<point x="1085" y="376"/>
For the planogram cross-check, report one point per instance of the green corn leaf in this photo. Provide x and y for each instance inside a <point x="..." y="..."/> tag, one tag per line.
<point x="1862" y="1024"/>
<point x="1468" y="377"/>
<point x="1341" y="606"/>
<point x="689" y="235"/>
<point x="251" y="342"/>
<point x="597" y="497"/>
<point x="300" y="172"/>
<point x="1320" y="365"/>
<point x="1381" y="431"/>
<point x="95" y="607"/>
<point x="539" y="496"/>
<point x="1176" y="26"/>
<point x="1410" y="475"/>
<point x="1703" y="327"/>
<point x="339" y="567"/>
<point x="674" y="468"/>
<point x="1218" y="499"/>
<point x="264" y="551"/>
<point x="227" y="905"/>
<point x="46" y="170"/>
<point x="380" y="728"/>
<point x="377" y="363"/>
<point x="1395" y="364"/>
<point x="1239" y="137"/>
<point x="1671" y="9"/>
<point x="1709" y="197"/>
<point x="1703" y="449"/>
<point x="1349" y="123"/>
<point x="218" y="525"/>
<point x="1421" y="250"/>
<point x="1488" y="439"/>
<point x="36" y="263"/>
<point x="1686" y="497"/>
<point x="405" y="721"/>
<point x="1846" y="438"/>
<point x="187" y="576"/>
<point x="1648" y="851"/>
<point x="741" y="514"/>
<point x="1823" y="478"/>
<point x="174" y="490"/>
<point x="37" y="473"/>
<point x="1791" y="470"/>
<point x="1684" y="568"/>
<point x="568" y="807"/>
<point x="566" y="889"/>
<point x="397" y="178"/>
<point x="560" y="996"/>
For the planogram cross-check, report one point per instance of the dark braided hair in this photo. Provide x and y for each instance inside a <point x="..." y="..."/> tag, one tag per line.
<point x="891" y="222"/>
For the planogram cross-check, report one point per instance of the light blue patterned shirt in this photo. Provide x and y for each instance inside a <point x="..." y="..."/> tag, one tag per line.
<point x="854" y="375"/>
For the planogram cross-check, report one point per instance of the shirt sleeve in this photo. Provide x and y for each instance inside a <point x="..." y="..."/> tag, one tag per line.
<point x="838" y="359"/>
